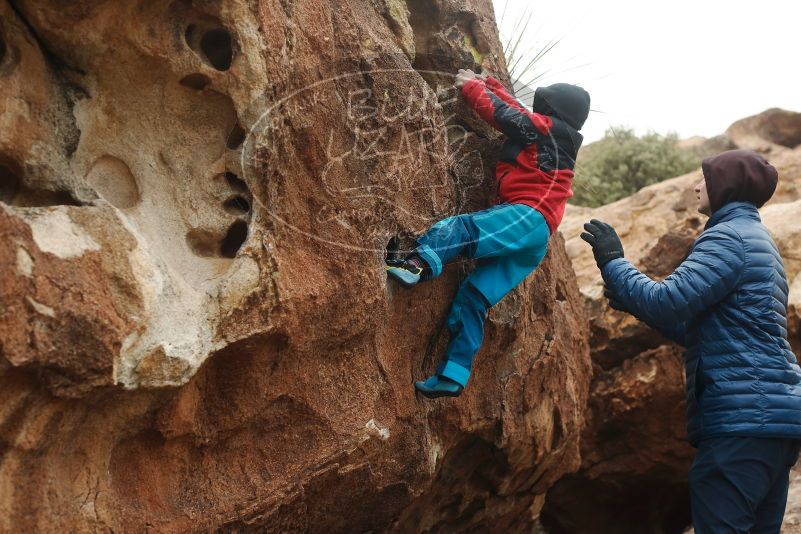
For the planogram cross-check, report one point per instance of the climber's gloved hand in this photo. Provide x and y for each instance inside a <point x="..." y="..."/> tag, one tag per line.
<point x="464" y="76"/>
<point x="614" y="303"/>
<point x="606" y="245"/>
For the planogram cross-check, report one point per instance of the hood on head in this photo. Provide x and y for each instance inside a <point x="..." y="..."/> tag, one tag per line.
<point x="564" y="101"/>
<point x="739" y="176"/>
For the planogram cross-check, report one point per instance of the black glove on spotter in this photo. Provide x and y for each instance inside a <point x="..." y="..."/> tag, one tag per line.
<point x="606" y="245"/>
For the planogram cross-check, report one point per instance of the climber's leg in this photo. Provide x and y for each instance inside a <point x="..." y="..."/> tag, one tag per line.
<point x="508" y="230"/>
<point x="466" y="325"/>
<point x="440" y="244"/>
<point x="407" y="272"/>
<point x="446" y="240"/>
<point x="469" y="309"/>
<point x="511" y="245"/>
<point x="438" y="386"/>
<point x="502" y="230"/>
<point x="494" y="277"/>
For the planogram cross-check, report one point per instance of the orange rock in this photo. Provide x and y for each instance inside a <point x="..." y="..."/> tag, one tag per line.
<point x="196" y="332"/>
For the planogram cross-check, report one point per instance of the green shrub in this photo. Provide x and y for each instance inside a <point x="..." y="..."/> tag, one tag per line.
<point x="622" y="163"/>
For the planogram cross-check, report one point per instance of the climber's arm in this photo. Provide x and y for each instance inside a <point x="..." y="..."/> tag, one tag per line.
<point x="500" y="91"/>
<point x="517" y="123"/>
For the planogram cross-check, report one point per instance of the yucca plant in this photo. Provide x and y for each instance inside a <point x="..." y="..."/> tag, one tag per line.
<point x="524" y="52"/>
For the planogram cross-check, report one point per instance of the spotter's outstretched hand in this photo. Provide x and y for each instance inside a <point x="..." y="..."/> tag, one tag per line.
<point x="606" y="245"/>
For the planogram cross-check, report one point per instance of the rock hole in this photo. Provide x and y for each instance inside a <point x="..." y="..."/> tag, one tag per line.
<point x="2" y="49"/>
<point x="9" y="184"/>
<point x="234" y="239"/>
<point x="203" y="243"/>
<point x="236" y="137"/>
<point x="561" y="294"/>
<point x="556" y="437"/>
<point x="236" y="183"/>
<point x="14" y="191"/>
<point x="189" y="34"/>
<point x="113" y="180"/>
<point x="216" y="46"/>
<point x="393" y="248"/>
<point x="196" y="81"/>
<point x="219" y="241"/>
<point x="212" y="42"/>
<point x="237" y="205"/>
<point x="38" y="198"/>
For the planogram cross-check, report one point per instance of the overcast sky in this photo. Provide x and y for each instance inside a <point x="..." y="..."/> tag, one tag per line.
<point x="692" y="67"/>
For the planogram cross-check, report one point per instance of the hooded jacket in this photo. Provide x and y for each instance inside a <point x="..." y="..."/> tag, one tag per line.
<point x="564" y="101"/>
<point x="739" y="176"/>
<point x="537" y="160"/>
<point x="727" y="304"/>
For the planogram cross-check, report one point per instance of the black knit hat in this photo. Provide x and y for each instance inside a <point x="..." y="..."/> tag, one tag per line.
<point x="564" y="101"/>
<point x="739" y="176"/>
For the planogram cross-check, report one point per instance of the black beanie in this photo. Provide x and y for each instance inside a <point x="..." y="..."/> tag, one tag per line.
<point x="564" y="101"/>
<point x="739" y="176"/>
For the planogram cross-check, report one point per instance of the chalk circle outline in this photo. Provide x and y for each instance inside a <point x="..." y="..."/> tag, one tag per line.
<point x="249" y="148"/>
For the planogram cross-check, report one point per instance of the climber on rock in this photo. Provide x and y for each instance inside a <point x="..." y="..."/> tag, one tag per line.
<point x="726" y="303"/>
<point x="534" y="180"/>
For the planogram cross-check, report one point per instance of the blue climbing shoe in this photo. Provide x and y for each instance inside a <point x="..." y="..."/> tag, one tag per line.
<point x="438" y="386"/>
<point x="405" y="272"/>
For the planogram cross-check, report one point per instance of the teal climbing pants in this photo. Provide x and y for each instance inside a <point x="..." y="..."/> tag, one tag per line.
<point x="509" y="241"/>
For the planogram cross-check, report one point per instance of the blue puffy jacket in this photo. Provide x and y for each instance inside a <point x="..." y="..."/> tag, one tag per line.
<point x="727" y="304"/>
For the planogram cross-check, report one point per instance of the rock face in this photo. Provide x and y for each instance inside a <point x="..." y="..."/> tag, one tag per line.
<point x="782" y="219"/>
<point x="634" y="454"/>
<point x="196" y="332"/>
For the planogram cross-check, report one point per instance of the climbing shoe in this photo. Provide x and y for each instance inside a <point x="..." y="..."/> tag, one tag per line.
<point x="406" y="272"/>
<point x="438" y="386"/>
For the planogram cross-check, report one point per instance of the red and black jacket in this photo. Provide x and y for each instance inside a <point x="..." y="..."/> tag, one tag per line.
<point x="536" y="164"/>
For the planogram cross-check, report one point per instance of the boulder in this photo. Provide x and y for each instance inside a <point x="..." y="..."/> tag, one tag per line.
<point x="196" y="330"/>
<point x="782" y="220"/>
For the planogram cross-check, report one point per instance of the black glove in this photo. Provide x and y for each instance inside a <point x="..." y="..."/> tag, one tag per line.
<point x="614" y="303"/>
<point x="606" y="245"/>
